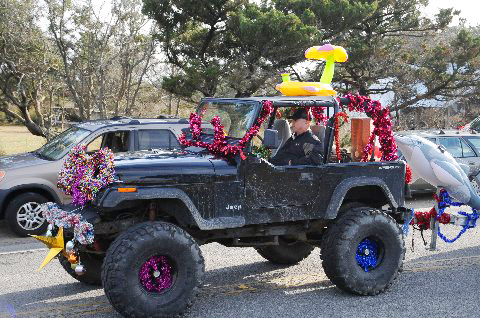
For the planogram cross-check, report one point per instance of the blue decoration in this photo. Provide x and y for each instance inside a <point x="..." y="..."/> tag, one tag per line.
<point x="446" y="201"/>
<point x="367" y="253"/>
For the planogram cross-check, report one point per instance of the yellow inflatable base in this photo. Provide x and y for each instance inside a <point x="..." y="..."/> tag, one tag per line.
<point x="291" y="88"/>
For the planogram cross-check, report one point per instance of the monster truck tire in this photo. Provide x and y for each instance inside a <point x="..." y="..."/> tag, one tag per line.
<point x="350" y="245"/>
<point x="285" y="254"/>
<point x="93" y="266"/>
<point x="127" y="283"/>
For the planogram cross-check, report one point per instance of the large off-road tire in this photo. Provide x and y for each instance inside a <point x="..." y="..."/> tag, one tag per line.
<point x="93" y="266"/>
<point x="285" y="254"/>
<point x="153" y="269"/>
<point x="23" y="216"/>
<point x="363" y="251"/>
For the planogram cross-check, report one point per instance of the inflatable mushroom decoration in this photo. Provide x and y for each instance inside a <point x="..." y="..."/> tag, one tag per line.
<point x="329" y="53"/>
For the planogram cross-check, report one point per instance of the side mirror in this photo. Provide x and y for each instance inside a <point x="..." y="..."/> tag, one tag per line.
<point x="270" y="139"/>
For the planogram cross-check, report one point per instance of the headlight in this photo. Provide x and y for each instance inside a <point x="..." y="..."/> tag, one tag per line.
<point x="2" y="174"/>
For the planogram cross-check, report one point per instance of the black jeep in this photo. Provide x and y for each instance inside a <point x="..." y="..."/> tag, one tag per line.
<point x="150" y="223"/>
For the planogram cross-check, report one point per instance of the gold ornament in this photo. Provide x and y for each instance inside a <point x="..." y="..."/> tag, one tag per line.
<point x="55" y="244"/>
<point x="72" y="258"/>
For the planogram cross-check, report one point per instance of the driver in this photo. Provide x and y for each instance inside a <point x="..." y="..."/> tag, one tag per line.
<point x="303" y="148"/>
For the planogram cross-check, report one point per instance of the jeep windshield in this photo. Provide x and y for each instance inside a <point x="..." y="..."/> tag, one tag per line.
<point x="61" y="144"/>
<point x="236" y="117"/>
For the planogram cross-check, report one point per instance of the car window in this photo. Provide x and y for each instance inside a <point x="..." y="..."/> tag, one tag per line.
<point x="434" y="140"/>
<point x="157" y="139"/>
<point x="236" y="118"/>
<point x="95" y="145"/>
<point x="258" y="139"/>
<point x="452" y="145"/>
<point x="117" y="141"/>
<point x="61" y="144"/>
<point x="467" y="151"/>
<point x="475" y="141"/>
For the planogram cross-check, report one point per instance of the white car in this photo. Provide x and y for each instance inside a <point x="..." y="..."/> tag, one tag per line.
<point x="464" y="146"/>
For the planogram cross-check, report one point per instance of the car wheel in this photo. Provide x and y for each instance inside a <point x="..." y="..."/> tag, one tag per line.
<point x="153" y="269"/>
<point x="363" y="251"/>
<point x="285" y="254"/>
<point x="23" y="214"/>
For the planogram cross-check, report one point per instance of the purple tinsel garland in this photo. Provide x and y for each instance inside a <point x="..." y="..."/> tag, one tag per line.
<point x="83" y="175"/>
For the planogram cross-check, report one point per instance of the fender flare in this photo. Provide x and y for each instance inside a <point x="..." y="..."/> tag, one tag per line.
<point x="112" y="198"/>
<point x="350" y="183"/>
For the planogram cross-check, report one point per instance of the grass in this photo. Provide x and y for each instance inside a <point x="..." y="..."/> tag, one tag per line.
<point x="17" y="139"/>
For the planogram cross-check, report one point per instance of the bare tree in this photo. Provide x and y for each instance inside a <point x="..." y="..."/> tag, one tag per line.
<point x="26" y="60"/>
<point x="104" y="59"/>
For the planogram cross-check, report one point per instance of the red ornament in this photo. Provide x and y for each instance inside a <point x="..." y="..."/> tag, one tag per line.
<point x="319" y="114"/>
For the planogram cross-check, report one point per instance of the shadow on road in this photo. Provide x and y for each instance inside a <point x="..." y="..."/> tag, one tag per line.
<point x="54" y="301"/>
<point x="441" y="285"/>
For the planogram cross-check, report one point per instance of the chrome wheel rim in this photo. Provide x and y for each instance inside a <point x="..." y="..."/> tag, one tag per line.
<point x="29" y="216"/>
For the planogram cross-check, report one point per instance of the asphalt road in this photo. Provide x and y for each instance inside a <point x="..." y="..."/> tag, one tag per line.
<point x="239" y="283"/>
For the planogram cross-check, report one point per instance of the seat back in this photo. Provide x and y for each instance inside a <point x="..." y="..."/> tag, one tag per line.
<point x="283" y="128"/>
<point x="319" y="131"/>
<point x="116" y="145"/>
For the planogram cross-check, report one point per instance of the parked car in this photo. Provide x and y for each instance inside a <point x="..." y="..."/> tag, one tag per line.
<point x="29" y="179"/>
<point x="464" y="146"/>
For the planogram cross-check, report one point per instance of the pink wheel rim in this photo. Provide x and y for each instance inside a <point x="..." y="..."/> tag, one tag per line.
<point x="156" y="274"/>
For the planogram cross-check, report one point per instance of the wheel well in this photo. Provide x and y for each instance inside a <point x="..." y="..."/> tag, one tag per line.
<point x="176" y="209"/>
<point x="370" y="194"/>
<point x="17" y="192"/>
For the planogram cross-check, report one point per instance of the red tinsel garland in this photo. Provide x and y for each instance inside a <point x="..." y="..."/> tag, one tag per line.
<point x="337" y="141"/>
<point x="408" y="174"/>
<point x="381" y="122"/>
<point x="319" y="114"/>
<point x="219" y="146"/>
<point x="423" y="218"/>
<point x="380" y="116"/>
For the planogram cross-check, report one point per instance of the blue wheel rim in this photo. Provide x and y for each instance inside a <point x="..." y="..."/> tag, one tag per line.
<point x="367" y="255"/>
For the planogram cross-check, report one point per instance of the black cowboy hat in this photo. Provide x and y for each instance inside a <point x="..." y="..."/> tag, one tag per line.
<point x="299" y="114"/>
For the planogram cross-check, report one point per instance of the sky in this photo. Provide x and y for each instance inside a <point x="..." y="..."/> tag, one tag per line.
<point x="469" y="9"/>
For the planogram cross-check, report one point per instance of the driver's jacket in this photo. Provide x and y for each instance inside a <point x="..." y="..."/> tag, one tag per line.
<point x="304" y="149"/>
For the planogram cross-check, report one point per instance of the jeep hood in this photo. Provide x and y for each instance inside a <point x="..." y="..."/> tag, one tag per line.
<point x="163" y="167"/>
<point x="23" y="160"/>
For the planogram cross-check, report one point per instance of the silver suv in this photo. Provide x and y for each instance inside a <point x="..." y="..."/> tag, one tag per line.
<point x="29" y="179"/>
<point x="462" y="145"/>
